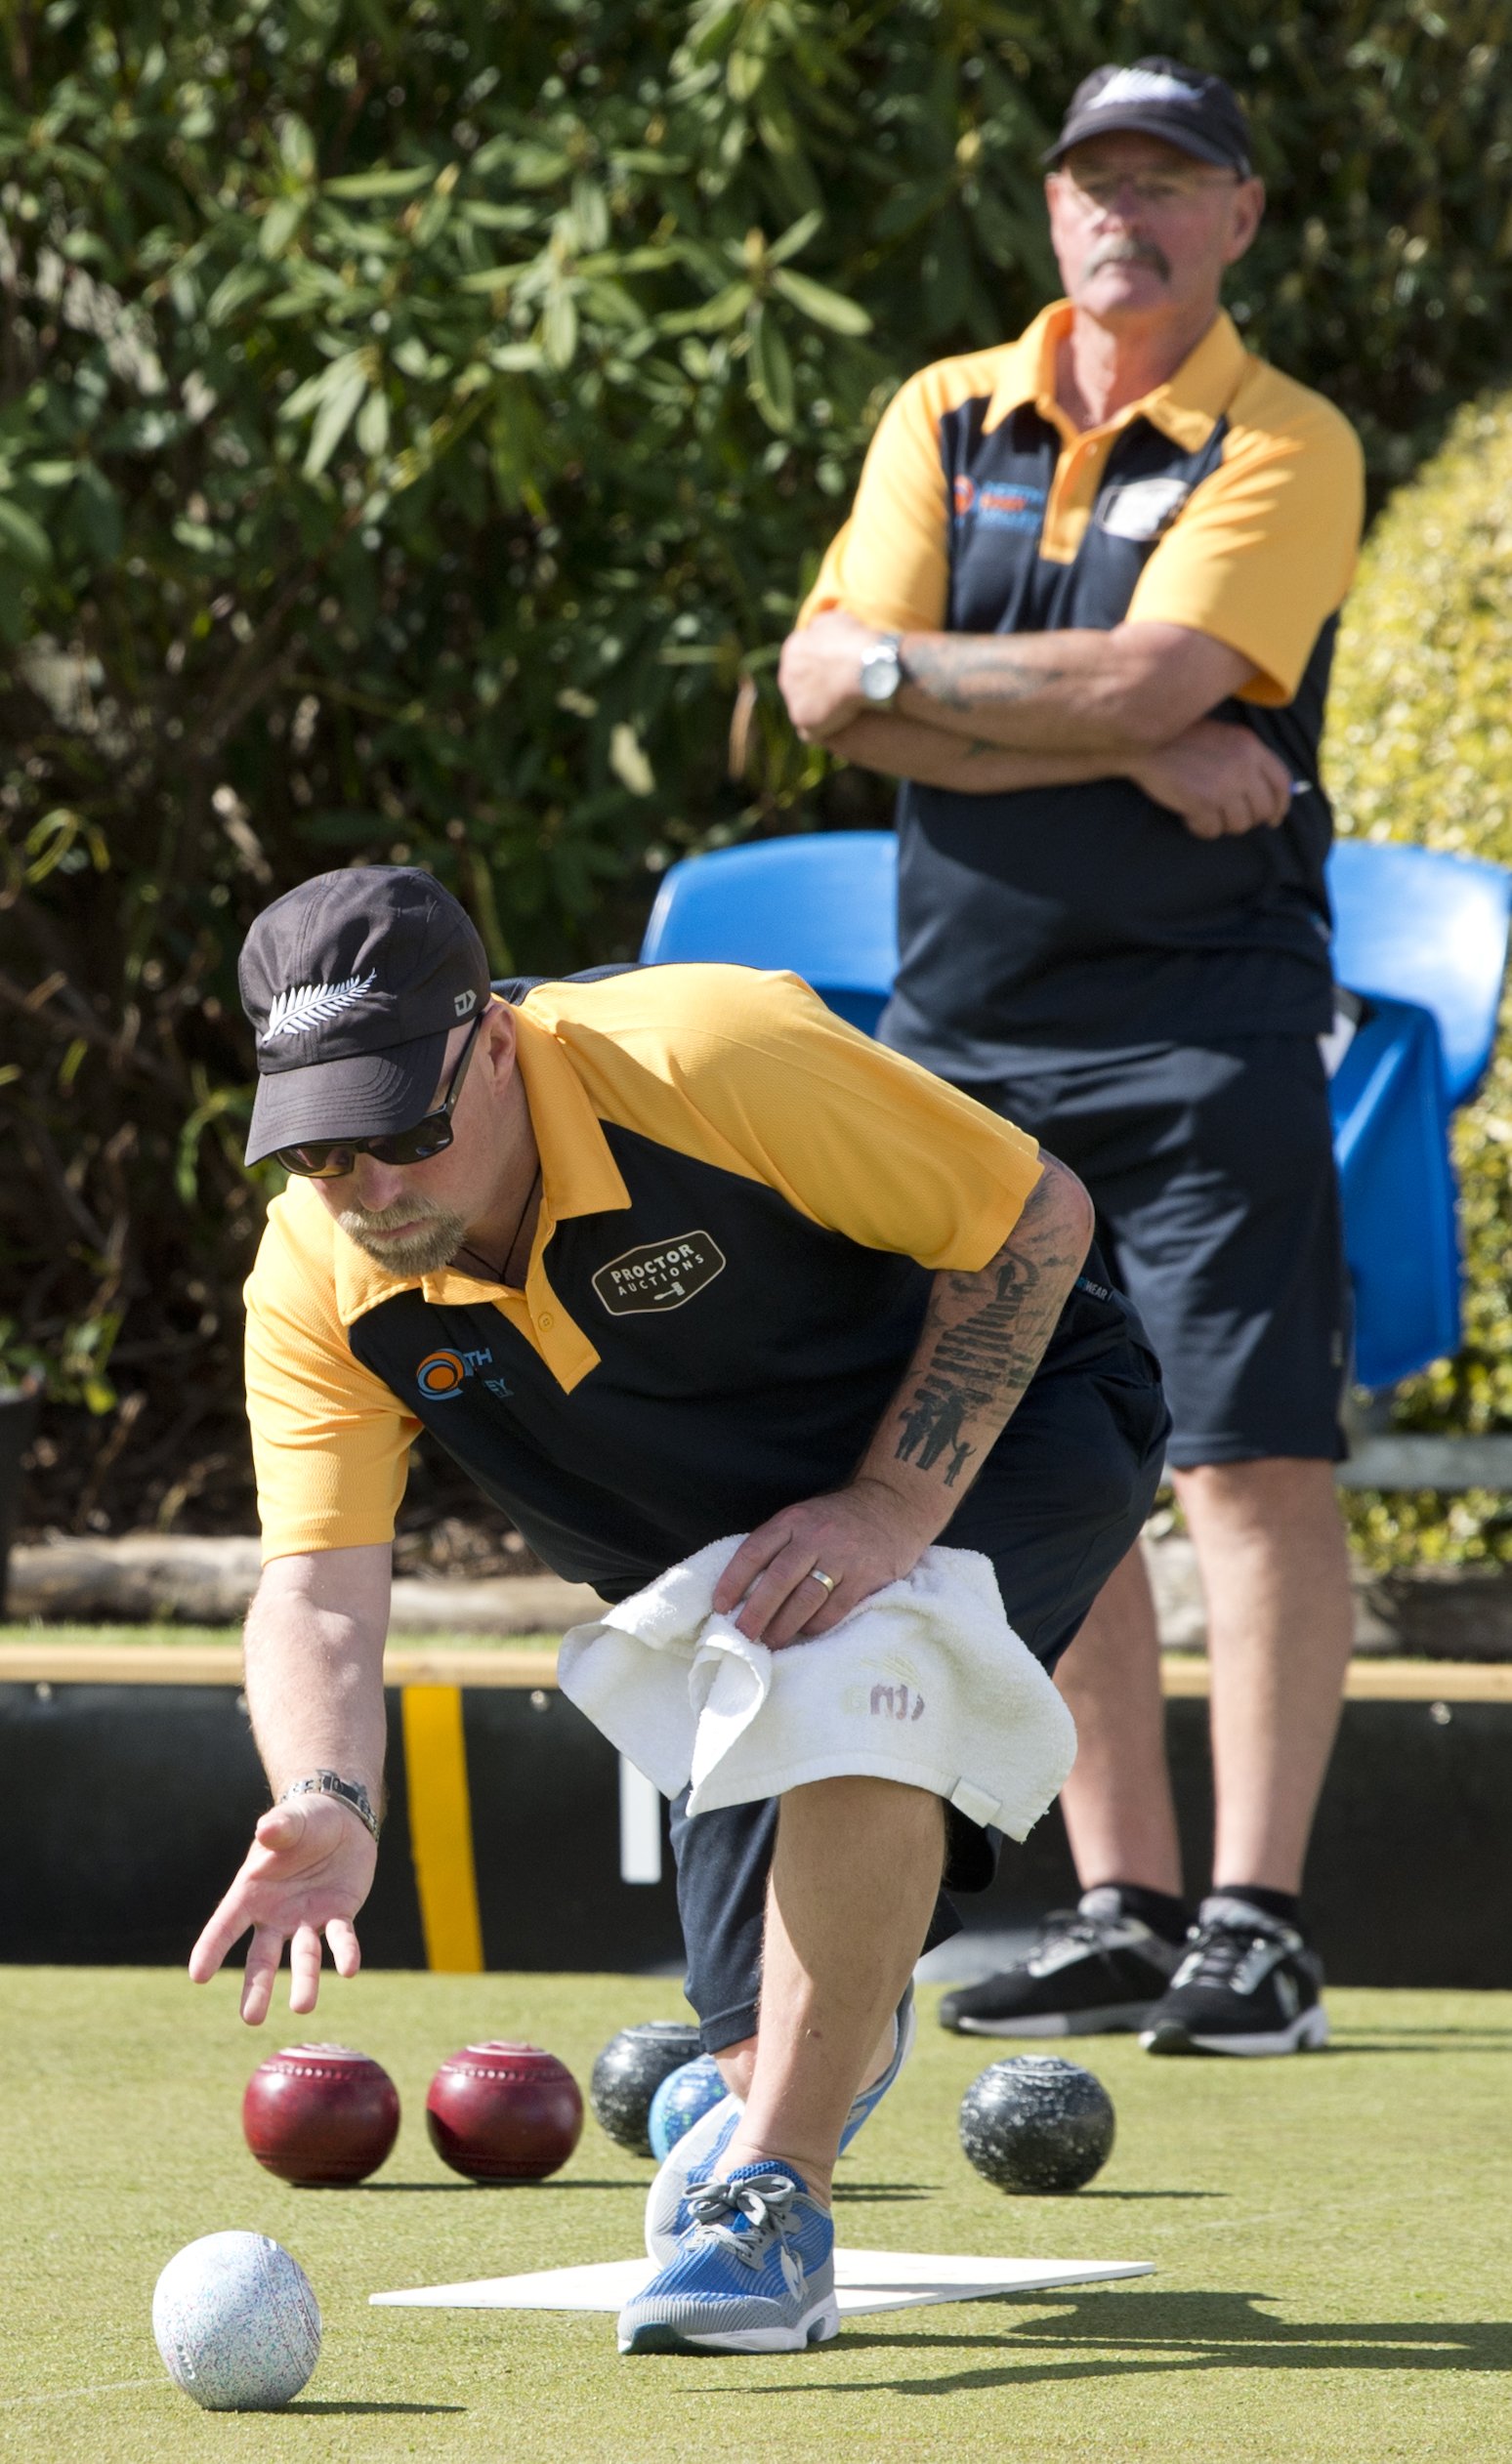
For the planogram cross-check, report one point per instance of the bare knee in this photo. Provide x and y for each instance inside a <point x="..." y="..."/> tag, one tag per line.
<point x="1270" y="1490"/>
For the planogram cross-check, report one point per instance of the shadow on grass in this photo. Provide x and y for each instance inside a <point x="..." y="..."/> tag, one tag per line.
<point x="373" y="2188"/>
<point x="1148" y="2333"/>
<point x="1427" y="2040"/>
<point x="332" y="2405"/>
<point x="1080" y="2197"/>
<point x="881" y="2191"/>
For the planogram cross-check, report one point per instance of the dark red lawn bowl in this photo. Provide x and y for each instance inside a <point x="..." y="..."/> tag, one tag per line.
<point x="503" y="2113"/>
<point x="321" y="2116"/>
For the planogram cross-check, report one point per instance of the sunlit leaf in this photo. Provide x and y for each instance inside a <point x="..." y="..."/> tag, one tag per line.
<point x="827" y="307"/>
<point x="772" y="372"/>
<point x="22" y="539"/>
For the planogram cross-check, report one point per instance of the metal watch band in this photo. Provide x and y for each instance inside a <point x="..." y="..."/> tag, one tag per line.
<point x="330" y="1784"/>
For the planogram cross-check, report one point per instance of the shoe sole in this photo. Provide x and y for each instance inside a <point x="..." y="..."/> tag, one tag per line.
<point x="820" y="2325"/>
<point x="1308" y="2033"/>
<point x="1115" y="2020"/>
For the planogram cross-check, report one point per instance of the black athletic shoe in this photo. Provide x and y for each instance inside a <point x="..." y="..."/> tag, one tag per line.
<point x="1093" y="1971"/>
<point x="1248" y="1984"/>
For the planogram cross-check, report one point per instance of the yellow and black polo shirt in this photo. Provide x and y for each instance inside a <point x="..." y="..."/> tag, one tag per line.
<point x="743" y="1201"/>
<point x="1230" y="501"/>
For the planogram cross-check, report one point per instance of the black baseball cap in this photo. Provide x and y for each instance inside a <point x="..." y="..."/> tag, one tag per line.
<point x="1160" y="97"/>
<point x="353" y="983"/>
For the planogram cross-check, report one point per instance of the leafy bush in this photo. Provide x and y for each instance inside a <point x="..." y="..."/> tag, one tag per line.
<point x="1420" y="747"/>
<point x="415" y="421"/>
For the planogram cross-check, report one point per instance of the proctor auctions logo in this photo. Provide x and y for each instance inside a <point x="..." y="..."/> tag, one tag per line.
<point x="661" y="1274"/>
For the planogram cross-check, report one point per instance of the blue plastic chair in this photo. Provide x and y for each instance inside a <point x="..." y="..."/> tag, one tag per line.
<point x="1414" y="925"/>
<point x="1391" y="1142"/>
<point x="823" y="906"/>
<point x="1423" y="936"/>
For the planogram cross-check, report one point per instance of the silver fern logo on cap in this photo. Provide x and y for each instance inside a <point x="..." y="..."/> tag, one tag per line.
<point x="305" y="1005"/>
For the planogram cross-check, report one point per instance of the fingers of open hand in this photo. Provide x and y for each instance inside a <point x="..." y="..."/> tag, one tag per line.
<point x="262" y="1968"/>
<point x="346" y="1951"/>
<point x="303" y="1969"/>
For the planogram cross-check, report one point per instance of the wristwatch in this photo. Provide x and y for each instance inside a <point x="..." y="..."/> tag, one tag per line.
<point x="882" y="672"/>
<point x="330" y="1784"/>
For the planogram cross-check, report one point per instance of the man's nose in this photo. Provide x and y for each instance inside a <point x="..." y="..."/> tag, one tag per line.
<point x="376" y="1186"/>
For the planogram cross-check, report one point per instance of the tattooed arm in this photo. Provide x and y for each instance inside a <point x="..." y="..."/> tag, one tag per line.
<point x="1121" y="693"/>
<point x="983" y="1338"/>
<point x="973" y="698"/>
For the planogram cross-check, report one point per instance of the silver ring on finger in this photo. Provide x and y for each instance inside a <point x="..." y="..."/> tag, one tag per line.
<point x="829" y="1581"/>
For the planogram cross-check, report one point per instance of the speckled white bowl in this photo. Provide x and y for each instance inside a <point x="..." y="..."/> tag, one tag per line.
<point x="236" y="2323"/>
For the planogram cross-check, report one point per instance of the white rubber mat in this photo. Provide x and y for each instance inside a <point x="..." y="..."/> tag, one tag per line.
<point x="866" y="2280"/>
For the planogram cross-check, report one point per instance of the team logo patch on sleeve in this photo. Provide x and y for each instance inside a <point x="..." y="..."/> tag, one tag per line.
<point x="440" y="1373"/>
<point x="661" y="1274"/>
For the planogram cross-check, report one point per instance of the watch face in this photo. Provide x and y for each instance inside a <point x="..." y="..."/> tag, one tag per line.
<point x="881" y="673"/>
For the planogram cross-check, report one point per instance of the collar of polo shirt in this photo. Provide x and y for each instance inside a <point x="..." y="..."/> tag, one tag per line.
<point x="579" y="1177"/>
<point x="1186" y="408"/>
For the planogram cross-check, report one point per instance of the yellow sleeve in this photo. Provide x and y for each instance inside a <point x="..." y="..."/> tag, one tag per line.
<point x="751" y="1072"/>
<point x="1263" y="552"/>
<point x="890" y="564"/>
<point x="329" y="1442"/>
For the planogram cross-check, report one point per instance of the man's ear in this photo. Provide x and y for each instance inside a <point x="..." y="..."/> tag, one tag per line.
<point x="1248" y="207"/>
<point x="498" y="1036"/>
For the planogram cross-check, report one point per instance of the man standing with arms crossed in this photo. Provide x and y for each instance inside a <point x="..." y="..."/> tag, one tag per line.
<point x="1084" y="609"/>
<point x="483" y="1199"/>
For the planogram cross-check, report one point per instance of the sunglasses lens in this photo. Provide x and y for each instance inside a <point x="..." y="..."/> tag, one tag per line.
<point x="413" y="1146"/>
<point x="321" y="1161"/>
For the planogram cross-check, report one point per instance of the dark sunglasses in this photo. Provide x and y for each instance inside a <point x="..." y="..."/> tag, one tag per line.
<point x="328" y="1159"/>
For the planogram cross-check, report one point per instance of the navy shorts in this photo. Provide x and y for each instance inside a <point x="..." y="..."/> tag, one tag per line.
<point x="1217" y="1201"/>
<point x="1059" y="1501"/>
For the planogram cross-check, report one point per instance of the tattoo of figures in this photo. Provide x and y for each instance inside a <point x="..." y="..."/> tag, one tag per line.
<point x="982" y="1362"/>
<point x="932" y="1422"/>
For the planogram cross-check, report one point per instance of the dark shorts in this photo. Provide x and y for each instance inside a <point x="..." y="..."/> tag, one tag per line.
<point x="1218" y="1211"/>
<point x="1059" y="1501"/>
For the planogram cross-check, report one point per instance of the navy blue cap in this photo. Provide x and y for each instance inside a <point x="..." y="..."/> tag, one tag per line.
<point x="353" y="983"/>
<point x="1160" y="97"/>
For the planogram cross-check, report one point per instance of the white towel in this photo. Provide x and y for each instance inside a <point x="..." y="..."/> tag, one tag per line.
<point x="925" y="1683"/>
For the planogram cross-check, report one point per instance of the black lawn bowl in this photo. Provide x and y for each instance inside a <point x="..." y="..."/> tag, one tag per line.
<point x="629" y="2071"/>
<point x="1037" y="2125"/>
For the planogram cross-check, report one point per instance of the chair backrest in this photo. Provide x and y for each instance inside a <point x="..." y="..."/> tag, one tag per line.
<point x="823" y="906"/>
<point x="1413" y="925"/>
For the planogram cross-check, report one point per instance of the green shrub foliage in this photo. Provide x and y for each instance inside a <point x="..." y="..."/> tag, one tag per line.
<point x="1420" y="747"/>
<point x="415" y="421"/>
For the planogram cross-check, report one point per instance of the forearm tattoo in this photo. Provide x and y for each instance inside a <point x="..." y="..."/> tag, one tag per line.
<point x="967" y="671"/>
<point x="987" y="1347"/>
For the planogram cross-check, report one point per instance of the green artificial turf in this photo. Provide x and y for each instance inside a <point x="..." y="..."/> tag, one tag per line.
<point x="1333" y="2235"/>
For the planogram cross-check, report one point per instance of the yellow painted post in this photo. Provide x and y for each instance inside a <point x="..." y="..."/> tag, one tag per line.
<point x="441" y="1828"/>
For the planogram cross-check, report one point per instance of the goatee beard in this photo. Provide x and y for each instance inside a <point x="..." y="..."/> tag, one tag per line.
<point x="434" y="1240"/>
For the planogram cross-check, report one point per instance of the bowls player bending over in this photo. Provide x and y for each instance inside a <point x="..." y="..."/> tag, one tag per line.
<point x="490" y="1202"/>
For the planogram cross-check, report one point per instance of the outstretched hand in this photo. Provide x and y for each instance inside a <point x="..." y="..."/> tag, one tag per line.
<point x="308" y="1871"/>
<point x="859" y="1537"/>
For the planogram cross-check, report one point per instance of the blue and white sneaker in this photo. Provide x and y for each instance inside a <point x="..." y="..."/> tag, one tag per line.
<point x="754" y="2272"/>
<point x="696" y="2156"/>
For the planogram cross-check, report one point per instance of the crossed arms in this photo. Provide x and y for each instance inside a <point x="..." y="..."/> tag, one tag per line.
<point x="987" y="712"/>
<point x="316" y="1630"/>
